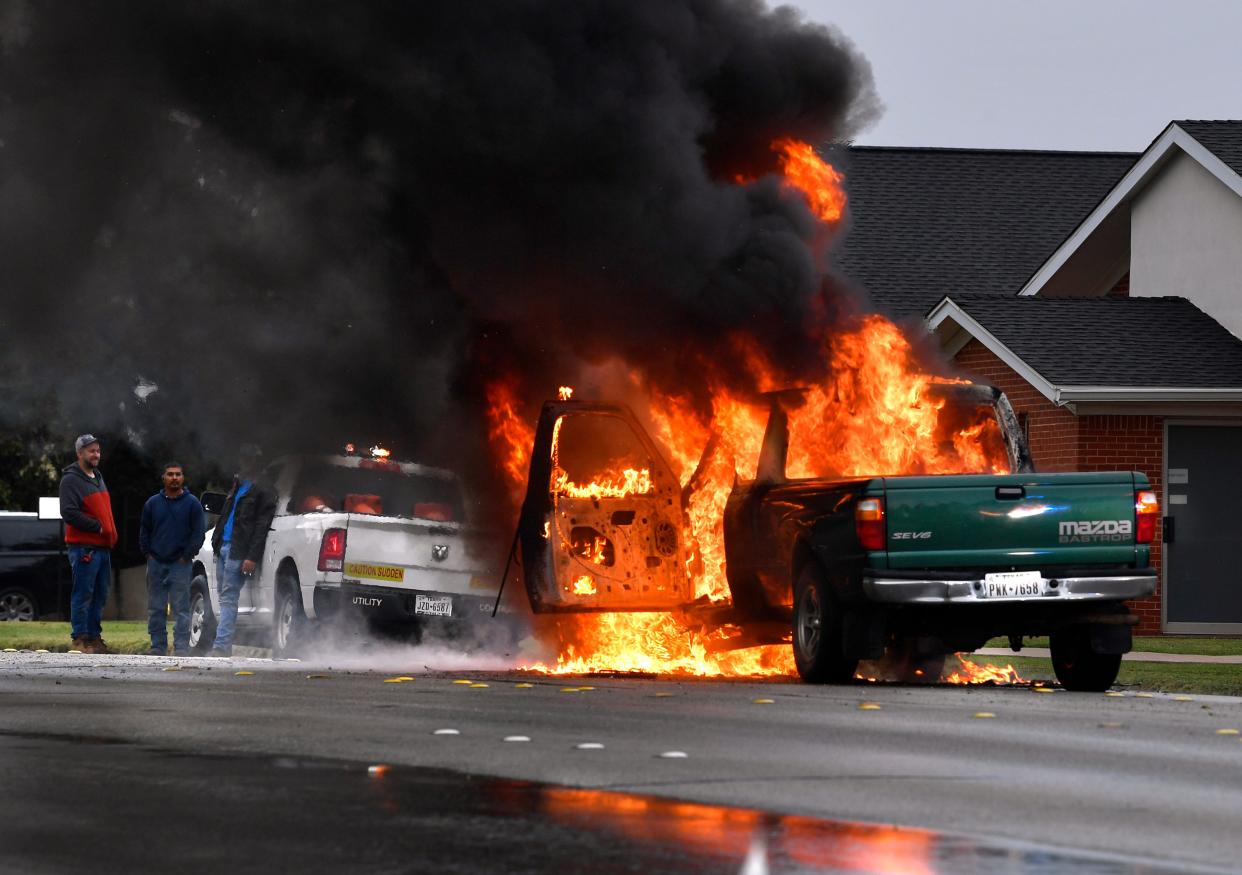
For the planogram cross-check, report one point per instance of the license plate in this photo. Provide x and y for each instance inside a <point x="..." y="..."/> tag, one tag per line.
<point x="1013" y="584"/>
<point x="437" y="606"/>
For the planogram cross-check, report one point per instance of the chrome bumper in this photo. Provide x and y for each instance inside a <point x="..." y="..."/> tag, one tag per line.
<point x="1074" y="589"/>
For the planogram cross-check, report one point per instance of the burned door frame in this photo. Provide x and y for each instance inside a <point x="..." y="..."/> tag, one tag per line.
<point x="1177" y="628"/>
<point x="539" y="506"/>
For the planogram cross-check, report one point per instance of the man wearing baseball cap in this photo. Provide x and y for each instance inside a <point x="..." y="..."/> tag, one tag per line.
<point x="90" y="535"/>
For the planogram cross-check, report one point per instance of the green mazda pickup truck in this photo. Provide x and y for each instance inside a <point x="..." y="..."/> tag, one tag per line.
<point x="907" y="568"/>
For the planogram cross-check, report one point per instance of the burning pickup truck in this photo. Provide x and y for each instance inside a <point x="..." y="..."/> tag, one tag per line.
<point x="843" y="568"/>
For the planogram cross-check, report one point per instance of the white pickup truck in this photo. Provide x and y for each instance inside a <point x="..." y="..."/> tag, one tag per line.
<point x="353" y="536"/>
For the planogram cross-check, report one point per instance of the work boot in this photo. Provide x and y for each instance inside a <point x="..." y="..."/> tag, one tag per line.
<point x="82" y="644"/>
<point x="99" y="645"/>
<point x="157" y="651"/>
<point x="221" y="652"/>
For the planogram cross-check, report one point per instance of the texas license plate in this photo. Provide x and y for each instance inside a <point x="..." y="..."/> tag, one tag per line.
<point x="1013" y="584"/>
<point x="437" y="606"/>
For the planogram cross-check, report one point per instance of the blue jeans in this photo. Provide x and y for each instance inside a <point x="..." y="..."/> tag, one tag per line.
<point x="168" y="582"/>
<point x="92" y="576"/>
<point x="230" y="580"/>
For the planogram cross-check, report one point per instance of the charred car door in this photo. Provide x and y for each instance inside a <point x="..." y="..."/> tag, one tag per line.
<point x="601" y="526"/>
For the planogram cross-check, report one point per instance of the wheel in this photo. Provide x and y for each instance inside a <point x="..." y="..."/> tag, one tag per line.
<point x="202" y="620"/>
<point x="18" y="605"/>
<point x="909" y="666"/>
<point x="818" y="645"/>
<point x="289" y="624"/>
<point x="1077" y="666"/>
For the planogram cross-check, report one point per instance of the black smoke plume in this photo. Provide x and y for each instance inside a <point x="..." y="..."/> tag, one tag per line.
<point x="302" y="223"/>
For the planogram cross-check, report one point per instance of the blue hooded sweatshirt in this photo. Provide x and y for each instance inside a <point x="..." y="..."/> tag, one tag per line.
<point x="172" y="528"/>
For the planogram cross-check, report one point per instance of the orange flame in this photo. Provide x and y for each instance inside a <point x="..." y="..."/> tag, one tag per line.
<point x="818" y="180"/>
<point x="973" y="673"/>
<point x="584" y="585"/>
<point x="565" y="393"/>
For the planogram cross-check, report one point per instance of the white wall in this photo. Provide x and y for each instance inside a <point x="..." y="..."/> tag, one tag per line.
<point x="1186" y="240"/>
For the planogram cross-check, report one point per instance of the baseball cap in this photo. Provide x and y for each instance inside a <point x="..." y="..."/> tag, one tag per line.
<point x="84" y="440"/>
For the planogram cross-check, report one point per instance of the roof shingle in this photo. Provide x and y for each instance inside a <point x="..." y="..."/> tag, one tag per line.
<point x="925" y="223"/>
<point x="1153" y="342"/>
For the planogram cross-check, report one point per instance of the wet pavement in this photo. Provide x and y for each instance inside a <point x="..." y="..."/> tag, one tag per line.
<point x="119" y="806"/>
<point x="264" y="764"/>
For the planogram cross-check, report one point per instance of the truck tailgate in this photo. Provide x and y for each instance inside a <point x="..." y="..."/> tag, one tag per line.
<point x="413" y="555"/>
<point x="1017" y="520"/>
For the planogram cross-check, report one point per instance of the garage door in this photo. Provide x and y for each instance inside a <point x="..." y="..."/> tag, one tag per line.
<point x="1203" y="549"/>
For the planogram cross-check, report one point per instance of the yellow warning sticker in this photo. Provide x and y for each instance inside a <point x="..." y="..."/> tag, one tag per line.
<point x="390" y="573"/>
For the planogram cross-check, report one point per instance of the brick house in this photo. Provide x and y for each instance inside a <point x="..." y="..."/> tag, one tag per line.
<point x="1103" y="293"/>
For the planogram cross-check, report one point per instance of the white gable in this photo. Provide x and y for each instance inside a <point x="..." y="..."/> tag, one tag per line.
<point x="1186" y="239"/>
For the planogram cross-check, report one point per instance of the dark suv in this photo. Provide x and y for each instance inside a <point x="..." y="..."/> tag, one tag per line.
<point x="34" y="571"/>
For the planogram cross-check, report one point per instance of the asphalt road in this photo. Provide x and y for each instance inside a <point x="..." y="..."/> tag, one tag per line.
<point x="124" y="750"/>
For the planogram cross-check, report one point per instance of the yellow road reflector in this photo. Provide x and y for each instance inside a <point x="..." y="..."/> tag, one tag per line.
<point x="14" y="650"/>
<point x="523" y="686"/>
<point x="664" y="695"/>
<point x="317" y="677"/>
<point x="1183" y="698"/>
<point x="393" y="681"/>
<point x="41" y="650"/>
<point x="446" y="732"/>
<point x="74" y="651"/>
<point x="765" y="701"/>
<point x="673" y="755"/>
<point x="173" y="668"/>
<point x="292" y="659"/>
<point x="569" y="689"/>
<point x="378" y="770"/>
<point x="1145" y="695"/>
<point x="586" y="689"/>
<point x="466" y="683"/>
<point x="1114" y="694"/>
<point x="868" y="706"/>
<point x="589" y="745"/>
<point x="984" y="715"/>
<point x="478" y="686"/>
<point x="517" y="738"/>
<point x="1226" y="732"/>
<point x="404" y="678"/>
<point x="1044" y="690"/>
<point x="243" y="674"/>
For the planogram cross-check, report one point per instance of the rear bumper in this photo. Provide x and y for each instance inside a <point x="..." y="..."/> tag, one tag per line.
<point x="1072" y="586"/>
<point x="401" y="605"/>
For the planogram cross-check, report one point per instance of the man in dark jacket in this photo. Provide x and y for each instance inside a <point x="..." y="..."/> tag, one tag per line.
<point x="90" y="535"/>
<point x="238" y="541"/>
<point x="172" y="531"/>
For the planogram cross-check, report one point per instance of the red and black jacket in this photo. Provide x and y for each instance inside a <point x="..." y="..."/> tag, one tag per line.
<point x="86" y="509"/>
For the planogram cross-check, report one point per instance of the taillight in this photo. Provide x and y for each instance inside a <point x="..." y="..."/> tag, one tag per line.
<point x="869" y="523"/>
<point x="332" y="550"/>
<point x="1146" y="512"/>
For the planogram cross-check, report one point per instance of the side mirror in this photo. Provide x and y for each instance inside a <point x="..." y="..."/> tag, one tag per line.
<point x="213" y="502"/>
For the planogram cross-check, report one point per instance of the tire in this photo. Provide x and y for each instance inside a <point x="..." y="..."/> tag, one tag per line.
<point x="1077" y="666"/>
<point x="818" y="643"/>
<point x="911" y="667"/>
<point x="17" y="605"/>
<point x="202" y="620"/>
<point x="289" y="624"/>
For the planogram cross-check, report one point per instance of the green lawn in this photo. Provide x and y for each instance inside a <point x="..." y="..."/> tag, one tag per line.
<point x="1194" y="644"/>
<point x="123" y="636"/>
<point x="1167" y="677"/>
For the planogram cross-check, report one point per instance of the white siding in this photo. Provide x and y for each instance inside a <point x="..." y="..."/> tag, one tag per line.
<point x="1186" y="239"/>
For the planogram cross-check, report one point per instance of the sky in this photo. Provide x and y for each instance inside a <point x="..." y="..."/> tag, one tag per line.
<point x="1092" y="74"/>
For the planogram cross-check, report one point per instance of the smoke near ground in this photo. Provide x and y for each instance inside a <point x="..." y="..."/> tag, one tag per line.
<point x="304" y="223"/>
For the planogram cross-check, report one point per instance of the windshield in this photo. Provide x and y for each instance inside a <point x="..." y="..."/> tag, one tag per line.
<point x="382" y="491"/>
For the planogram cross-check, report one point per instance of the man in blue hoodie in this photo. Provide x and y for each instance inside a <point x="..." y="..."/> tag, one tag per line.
<point x="172" y="531"/>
